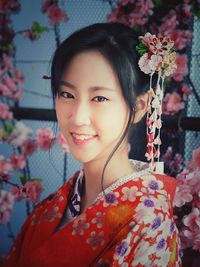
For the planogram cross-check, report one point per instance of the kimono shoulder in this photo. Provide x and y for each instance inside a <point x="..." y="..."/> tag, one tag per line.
<point x="170" y="184"/>
<point x="49" y="210"/>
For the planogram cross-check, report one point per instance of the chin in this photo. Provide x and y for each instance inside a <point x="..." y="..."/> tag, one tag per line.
<point x="82" y="158"/>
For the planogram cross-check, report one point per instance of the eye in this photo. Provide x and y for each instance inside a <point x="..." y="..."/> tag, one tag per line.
<point x="100" y="98"/>
<point x="66" y="95"/>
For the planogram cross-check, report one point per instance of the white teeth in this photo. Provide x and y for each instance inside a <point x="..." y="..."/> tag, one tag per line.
<point x="82" y="137"/>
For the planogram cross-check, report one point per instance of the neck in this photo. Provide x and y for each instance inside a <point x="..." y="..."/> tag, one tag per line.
<point x="113" y="171"/>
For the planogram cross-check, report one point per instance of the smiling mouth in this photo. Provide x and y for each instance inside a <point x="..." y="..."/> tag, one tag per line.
<point x="81" y="139"/>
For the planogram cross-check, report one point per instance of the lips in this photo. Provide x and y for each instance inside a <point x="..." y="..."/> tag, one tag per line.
<point x="81" y="139"/>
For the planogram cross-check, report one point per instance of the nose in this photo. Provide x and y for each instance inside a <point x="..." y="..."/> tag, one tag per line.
<point x="80" y="114"/>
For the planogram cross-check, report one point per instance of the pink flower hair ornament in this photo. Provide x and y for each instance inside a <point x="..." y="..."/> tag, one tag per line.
<point x="157" y="57"/>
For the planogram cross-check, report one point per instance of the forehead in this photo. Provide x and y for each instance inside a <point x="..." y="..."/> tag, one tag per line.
<point x="91" y="68"/>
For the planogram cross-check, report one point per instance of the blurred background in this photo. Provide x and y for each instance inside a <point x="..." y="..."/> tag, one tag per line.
<point x="34" y="157"/>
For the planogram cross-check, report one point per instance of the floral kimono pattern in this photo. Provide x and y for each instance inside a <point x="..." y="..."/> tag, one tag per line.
<point x="132" y="226"/>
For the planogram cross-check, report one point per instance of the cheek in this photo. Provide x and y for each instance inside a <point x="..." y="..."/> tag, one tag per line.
<point x="114" y="120"/>
<point x="60" y="112"/>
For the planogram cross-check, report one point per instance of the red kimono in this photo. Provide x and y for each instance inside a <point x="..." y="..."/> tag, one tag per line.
<point x="132" y="226"/>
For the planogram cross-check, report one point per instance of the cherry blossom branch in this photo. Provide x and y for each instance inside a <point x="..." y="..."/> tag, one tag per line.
<point x="65" y="168"/>
<point x="10" y="232"/>
<point x="10" y="183"/>
<point x="23" y="31"/>
<point x="57" y="34"/>
<point x="32" y="61"/>
<point x="194" y="90"/>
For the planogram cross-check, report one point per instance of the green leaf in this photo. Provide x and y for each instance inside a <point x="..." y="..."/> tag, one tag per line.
<point x="8" y="128"/>
<point x="166" y="83"/>
<point x="164" y="67"/>
<point x="22" y="179"/>
<point x="38" y="180"/>
<point x="3" y="133"/>
<point x="158" y="3"/>
<point x="195" y="8"/>
<point x="197" y="13"/>
<point x="141" y="49"/>
<point x="36" y="27"/>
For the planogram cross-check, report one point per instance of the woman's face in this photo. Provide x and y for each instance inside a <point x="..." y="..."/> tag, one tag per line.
<point x="90" y="108"/>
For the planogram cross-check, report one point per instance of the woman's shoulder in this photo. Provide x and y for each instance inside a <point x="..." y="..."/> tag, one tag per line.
<point x="160" y="184"/>
<point x="169" y="183"/>
<point x="157" y="180"/>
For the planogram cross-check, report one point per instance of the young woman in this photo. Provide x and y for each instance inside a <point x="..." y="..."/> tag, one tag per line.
<point x="115" y="211"/>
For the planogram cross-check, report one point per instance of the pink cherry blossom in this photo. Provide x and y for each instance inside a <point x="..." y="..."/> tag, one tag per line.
<point x="187" y="8"/>
<point x="44" y="138"/>
<point x="1" y="71"/>
<point x="30" y="190"/>
<point x="30" y="35"/>
<point x="4" y="90"/>
<point x="193" y="180"/>
<point x="17" y="162"/>
<point x="139" y="12"/>
<point x="186" y="91"/>
<point x="167" y="156"/>
<point x="9" y="5"/>
<point x="190" y="238"/>
<point x="181" y="177"/>
<point x="45" y="5"/>
<point x="182" y="196"/>
<point x="174" y="163"/>
<point x="17" y="94"/>
<point x="19" y="76"/>
<point x="9" y="83"/>
<point x="5" y="177"/>
<point x="178" y="161"/>
<point x="195" y="163"/>
<point x="192" y="220"/>
<point x="56" y="15"/>
<point x="28" y="147"/>
<point x="182" y="69"/>
<point x="196" y="242"/>
<point x="6" y="205"/>
<point x="5" y="165"/>
<point x="20" y="134"/>
<point x="191" y="229"/>
<point x="196" y="201"/>
<point x="6" y="63"/>
<point x="14" y="95"/>
<point x="184" y="12"/>
<point x="169" y="23"/>
<point x="5" y="112"/>
<point x="186" y="240"/>
<point x="181" y="38"/>
<point x="172" y="103"/>
<point x="63" y="142"/>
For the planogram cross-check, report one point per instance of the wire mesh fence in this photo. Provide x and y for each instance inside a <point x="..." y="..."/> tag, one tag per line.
<point x="192" y="138"/>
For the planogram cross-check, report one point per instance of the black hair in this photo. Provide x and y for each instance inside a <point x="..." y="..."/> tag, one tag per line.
<point x="117" y="43"/>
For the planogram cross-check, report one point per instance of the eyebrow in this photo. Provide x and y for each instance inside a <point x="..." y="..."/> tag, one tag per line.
<point x="93" y="88"/>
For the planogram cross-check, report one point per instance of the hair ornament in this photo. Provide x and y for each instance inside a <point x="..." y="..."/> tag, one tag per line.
<point x="45" y="77"/>
<point x="157" y="57"/>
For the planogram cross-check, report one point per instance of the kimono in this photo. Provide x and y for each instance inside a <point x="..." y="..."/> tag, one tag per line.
<point x="130" y="224"/>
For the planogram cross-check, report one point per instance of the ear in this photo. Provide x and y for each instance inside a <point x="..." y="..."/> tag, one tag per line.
<point x="142" y="103"/>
